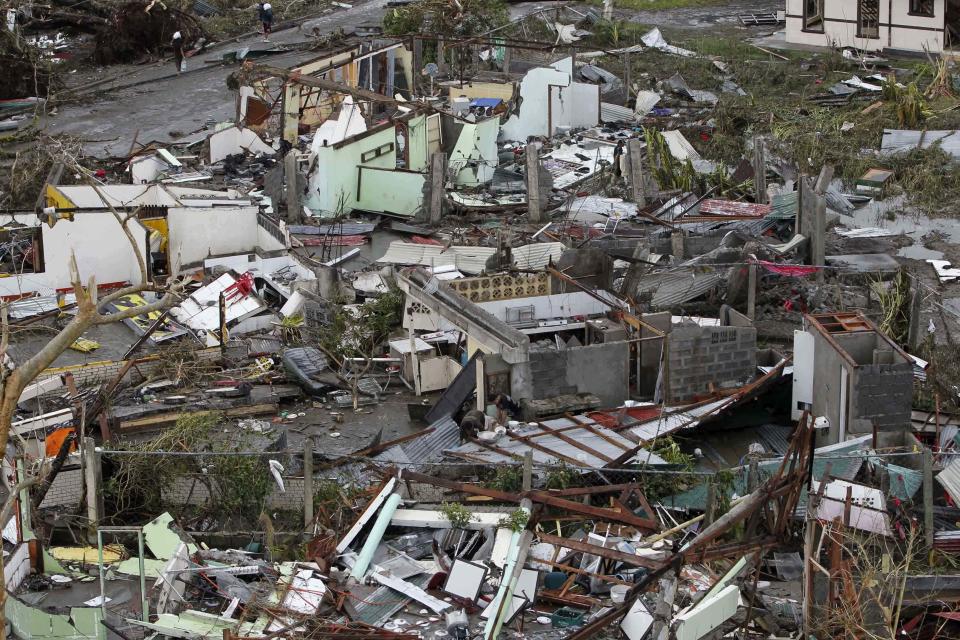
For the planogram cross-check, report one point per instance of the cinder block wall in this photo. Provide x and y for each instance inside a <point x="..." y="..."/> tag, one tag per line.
<point x="194" y="490"/>
<point x="66" y="490"/>
<point x="883" y="396"/>
<point x="699" y="356"/>
<point x="600" y="369"/>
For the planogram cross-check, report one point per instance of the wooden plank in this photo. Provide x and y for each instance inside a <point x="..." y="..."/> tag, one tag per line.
<point x="596" y="550"/>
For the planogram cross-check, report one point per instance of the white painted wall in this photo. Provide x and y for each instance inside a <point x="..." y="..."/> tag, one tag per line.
<point x="196" y="233"/>
<point x="474" y="157"/>
<point x="840" y="26"/>
<point x="100" y="245"/>
<point x="333" y="180"/>
<point x="568" y="104"/>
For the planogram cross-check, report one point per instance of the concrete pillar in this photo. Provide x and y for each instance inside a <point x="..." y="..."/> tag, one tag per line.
<point x="813" y="222"/>
<point x="506" y="58"/>
<point x="677" y="244"/>
<point x="327" y="282"/>
<point x="438" y="175"/>
<point x="291" y="113"/>
<point x="752" y="291"/>
<point x="528" y="470"/>
<point x="481" y="384"/>
<point x="635" y="153"/>
<point x="534" y="206"/>
<point x="92" y="480"/>
<point x="308" y="482"/>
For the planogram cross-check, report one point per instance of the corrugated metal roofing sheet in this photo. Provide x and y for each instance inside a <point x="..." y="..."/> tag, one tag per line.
<point x="674" y="288"/>
<point x="785" y="206"/>
<point x="344" y="229"/>
<point x="844" y="468"/>
<point x="472" y="260"/>
<point x="566" y="451"/>
<point x="733" y="208"/>
<point x="536" y="256"/>
<point x="949" y="478"/>
<point x="900" y="140"/>
<point x="615" y="113"/>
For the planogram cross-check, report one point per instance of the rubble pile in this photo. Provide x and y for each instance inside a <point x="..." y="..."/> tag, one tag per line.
<point x="137" y="28"/>
<point x="529" y="337"/>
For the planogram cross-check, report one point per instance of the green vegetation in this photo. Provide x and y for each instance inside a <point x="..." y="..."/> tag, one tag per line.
<point x="506" y="478"/>
<point x="457" y="514"/>
<point x="238" y="484"/>
<point x="562" y="476"/>
<point x="437" y="17"/>
<point x="516" y="520"/>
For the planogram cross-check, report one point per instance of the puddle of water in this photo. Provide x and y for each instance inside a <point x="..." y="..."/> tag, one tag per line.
<point x="914" y="225"/>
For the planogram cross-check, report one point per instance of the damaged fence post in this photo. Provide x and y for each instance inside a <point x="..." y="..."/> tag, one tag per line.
<point x="635" y="155"/>
<point x="759" y="171"/>
<point x="307" y="482"/>
<point x="438" y="175"/>
<point x="375" y="536"/>
<point x="534" y="207"/>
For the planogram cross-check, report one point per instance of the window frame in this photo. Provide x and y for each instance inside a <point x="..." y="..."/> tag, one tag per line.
<point x="920" y="14"/>
<point x="805" y="17"/>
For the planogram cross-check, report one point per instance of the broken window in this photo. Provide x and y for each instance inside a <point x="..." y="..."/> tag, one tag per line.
<point x="21" y="250"/>
<point x="813" y="15"/>
<point x="922" y="8"/>
<point x="868" y="23"/>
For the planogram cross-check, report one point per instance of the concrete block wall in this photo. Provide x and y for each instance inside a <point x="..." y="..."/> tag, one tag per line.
<point x="600" y="369"/>
<point x="699" y="356"/>
<point x="883" y="396"/>
<point x="194" y="490"/>
<point x="66" y="490"/>
<point x="548" y="370"/>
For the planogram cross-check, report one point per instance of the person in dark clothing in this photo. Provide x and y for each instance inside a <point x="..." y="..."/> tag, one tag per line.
<point x="472" y="424"/>
<point x="177" y="43"/>
<point x="265" y="11"/>
<point x="507" y="406"/>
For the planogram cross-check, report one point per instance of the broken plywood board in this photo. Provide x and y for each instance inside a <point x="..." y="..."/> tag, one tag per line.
<point x="161" y="538"/>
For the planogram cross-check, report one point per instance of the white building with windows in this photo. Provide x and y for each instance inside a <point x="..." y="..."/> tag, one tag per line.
<point x="875" y="25"/>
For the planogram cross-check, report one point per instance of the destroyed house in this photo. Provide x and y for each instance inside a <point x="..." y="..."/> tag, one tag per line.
<point x="853" y="376"/>
<point x="874" y="25"/>
<point x="175" y="227"/>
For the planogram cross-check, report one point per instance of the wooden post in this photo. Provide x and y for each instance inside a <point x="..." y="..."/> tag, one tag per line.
<point x="534" y="208"/>
<point x="759" y="170"/>
<point x="528" y="470"/>
<point x="417" y="63"/>
<point x="635" y="153"/>
<point x="752" y="291"/>
<point x="928" y="497"/>
<point x="438" y="175"/>
<point x="223" y="324"/>
<point x="819" y="239"/>
<point x="307" y="482"/>
<point x="91" y="479"/>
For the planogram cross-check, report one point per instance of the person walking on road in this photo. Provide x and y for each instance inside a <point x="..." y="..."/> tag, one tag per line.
<point x="177" y="43"/>
<point x="265" y="11"/>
